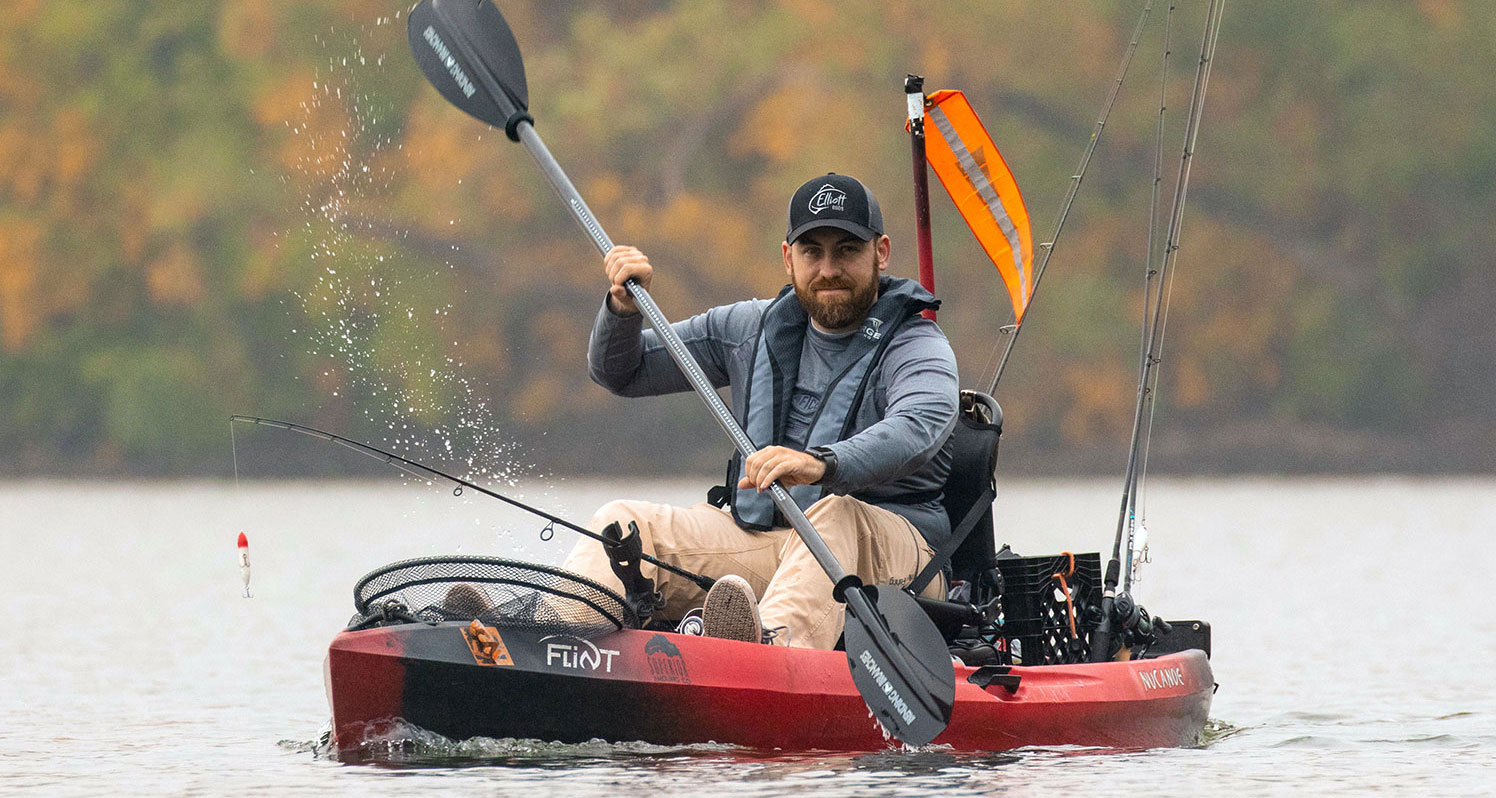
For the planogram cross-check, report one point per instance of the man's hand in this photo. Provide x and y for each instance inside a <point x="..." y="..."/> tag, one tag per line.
<point x="621" y="263"/>
<point x="789" y="466"/>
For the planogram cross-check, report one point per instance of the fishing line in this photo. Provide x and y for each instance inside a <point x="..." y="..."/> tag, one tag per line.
<point x="1075" y="181"/>
<point x="1147" y="386"/>
<point x="1102" y="636"/>
<point x="1134" y="518"/>
<point x="234" y="449"/>
<point x="426" y="473"/>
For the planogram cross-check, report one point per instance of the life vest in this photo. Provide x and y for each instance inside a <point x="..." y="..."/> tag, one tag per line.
<point x="775" y="369"/>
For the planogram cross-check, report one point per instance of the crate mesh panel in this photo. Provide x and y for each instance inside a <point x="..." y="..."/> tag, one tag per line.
<point x="1033" y="606"/>
<point x="497" y="592"/>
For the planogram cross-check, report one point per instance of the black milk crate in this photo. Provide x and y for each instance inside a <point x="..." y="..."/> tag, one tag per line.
<point x="1035" y="619"/>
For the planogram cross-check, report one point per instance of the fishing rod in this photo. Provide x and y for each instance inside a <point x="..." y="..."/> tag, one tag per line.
<point x="426" y="472"/>
<point x="1152" y="355"/>
<point x="1133" y="522"/>
<point x="1101" y="638"/>
<point x="1075" y="181"/>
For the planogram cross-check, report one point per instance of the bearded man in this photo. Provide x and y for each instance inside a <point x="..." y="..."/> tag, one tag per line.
<point x="851" y="395"/>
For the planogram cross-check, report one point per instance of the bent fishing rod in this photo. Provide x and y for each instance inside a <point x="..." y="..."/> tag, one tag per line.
<point x="1072" y="191"/>
<point x="1147" y="386"/>
<point x="427" y="473"/>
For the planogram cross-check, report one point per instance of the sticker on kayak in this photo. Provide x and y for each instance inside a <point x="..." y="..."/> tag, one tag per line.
<point x="577" y="654"/>
<point x="1162" y="678"/>
<point x="487" y="647"/>
<point x="665" y="661"/>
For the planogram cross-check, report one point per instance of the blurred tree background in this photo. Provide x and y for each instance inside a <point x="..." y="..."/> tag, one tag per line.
<point x="256" y="206"/>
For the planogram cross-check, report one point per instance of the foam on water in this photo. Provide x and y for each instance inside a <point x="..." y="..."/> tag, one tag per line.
<point x="405" y="744"/>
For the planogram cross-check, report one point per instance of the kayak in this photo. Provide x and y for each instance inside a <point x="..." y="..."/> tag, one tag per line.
<point x="464" y="680"/>
<point x="475" y="646"/>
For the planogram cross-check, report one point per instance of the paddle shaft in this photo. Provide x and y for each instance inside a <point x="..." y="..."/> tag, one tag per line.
<point x="677" y="349"/>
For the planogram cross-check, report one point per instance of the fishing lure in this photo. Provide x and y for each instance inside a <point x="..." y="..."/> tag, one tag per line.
<point x="244" y="562"/>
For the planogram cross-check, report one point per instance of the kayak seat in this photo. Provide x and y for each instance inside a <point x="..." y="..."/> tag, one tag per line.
<point x="969" y="556"/>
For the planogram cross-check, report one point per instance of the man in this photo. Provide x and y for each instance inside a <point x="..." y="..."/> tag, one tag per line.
<point x="852" y="396"/>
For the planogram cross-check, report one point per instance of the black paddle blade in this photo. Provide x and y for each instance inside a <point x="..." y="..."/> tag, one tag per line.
<point x="899" y="663"/>
<point x="466" y="50"/>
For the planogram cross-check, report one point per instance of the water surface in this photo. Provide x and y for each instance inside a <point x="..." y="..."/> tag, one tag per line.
<point x="1354" y="642"/>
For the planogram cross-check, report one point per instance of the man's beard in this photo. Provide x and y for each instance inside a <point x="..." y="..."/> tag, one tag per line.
<point x="838" y="312"/>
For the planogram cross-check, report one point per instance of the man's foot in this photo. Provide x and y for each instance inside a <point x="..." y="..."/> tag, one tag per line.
<point x="731" y="611"/>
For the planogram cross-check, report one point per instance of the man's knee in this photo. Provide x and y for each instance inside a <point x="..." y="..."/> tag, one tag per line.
<point x="621" y="510"/>
<point x="835" y="511"/>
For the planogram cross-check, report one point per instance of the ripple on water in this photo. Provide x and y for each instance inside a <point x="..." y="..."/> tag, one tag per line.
<point x="404" y="744"/>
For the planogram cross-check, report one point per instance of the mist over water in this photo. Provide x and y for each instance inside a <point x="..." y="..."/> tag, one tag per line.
<point x="1350" y="646"/>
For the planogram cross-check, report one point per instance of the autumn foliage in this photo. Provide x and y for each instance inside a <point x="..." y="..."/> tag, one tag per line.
<point x="259" y="206"/>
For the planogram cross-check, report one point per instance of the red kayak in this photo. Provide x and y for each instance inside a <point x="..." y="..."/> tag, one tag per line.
<point x="470" y="679"/>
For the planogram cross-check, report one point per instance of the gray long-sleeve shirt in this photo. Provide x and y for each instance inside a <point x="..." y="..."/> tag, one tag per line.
<point x="898" y="444"/>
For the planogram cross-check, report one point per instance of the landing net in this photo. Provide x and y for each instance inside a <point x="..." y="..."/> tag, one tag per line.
<point x="494" y="591"/>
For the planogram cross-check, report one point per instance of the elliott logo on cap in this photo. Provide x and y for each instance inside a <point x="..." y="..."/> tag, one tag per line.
<point x="828" y="196"/>
<point x="836" y="201"/>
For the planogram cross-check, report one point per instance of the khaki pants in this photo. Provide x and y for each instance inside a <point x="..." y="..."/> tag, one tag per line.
<point x="877" y="545"/>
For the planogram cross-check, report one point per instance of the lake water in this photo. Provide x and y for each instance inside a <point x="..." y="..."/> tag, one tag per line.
<point x="1355" y="643"/>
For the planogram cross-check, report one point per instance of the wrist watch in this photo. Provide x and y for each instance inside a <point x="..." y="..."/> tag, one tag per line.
<point x="825" y="455"/>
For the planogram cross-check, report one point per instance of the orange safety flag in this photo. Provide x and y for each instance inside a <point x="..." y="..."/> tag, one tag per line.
<point x="979" y="181"/>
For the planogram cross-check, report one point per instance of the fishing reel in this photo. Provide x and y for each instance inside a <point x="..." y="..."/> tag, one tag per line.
<point x="1134" y="628"/>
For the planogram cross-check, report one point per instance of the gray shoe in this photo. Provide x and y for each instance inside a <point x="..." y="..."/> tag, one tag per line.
<point x="731" y="611"/>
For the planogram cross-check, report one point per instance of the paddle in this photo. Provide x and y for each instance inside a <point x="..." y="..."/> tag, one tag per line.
<point x="897" y="657"/>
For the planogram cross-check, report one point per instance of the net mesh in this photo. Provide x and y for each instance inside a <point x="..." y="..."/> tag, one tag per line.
<point x="494" y="591"/>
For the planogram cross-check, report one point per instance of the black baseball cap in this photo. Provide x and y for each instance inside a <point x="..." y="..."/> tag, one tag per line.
<point x="834" y="201"/>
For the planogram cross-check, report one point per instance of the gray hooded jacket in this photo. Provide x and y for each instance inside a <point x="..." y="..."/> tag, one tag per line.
<point x="895" y="456"/>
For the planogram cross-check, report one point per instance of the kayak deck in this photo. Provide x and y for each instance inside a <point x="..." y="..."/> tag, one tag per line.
<point x="468" y="680"/>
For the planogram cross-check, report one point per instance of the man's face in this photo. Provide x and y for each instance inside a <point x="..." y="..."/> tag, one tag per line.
<point x="835" y="275"/>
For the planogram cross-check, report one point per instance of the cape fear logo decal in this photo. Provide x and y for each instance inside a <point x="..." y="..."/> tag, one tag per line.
<point x="574" y="653"/>
<point x="453" y="68"/>
<point x="828" y="196"/>
<point x="665" y="661"/>
<point x="487" y="647"/>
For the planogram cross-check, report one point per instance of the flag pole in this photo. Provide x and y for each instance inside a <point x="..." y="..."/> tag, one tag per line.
<point x="914" y="93"/>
